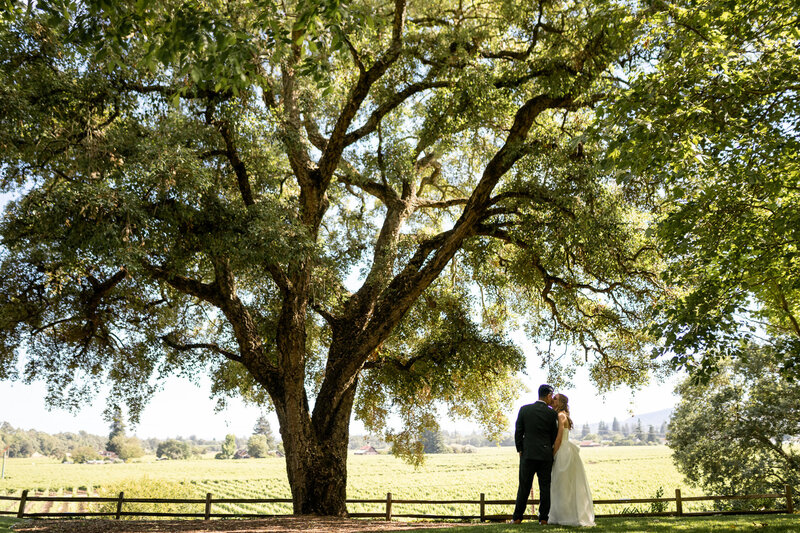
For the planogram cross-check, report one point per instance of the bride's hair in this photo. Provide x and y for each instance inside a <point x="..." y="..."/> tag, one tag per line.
<point x="562" y="405"/>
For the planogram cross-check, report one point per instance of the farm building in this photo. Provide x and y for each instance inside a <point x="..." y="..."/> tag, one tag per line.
<point x="366" y="450"/>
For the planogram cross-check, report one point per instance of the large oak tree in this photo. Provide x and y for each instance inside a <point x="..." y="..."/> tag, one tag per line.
<point x="328" y="207"/>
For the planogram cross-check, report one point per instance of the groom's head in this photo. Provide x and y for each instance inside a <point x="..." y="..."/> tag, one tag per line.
<point x="546" y="393"/>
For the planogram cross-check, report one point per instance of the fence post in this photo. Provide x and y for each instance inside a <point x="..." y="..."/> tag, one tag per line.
<point x="22" y="500"/>
<point x="483" y="507"/>
<point x="789" y="503"/>
<point x="208" y="507"/>
<point x="119" y="505"/>
<point x="678" y="502"/>
<point x="388" y="506"/>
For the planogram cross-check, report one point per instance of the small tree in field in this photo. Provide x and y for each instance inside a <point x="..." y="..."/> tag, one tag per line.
<point x="126" y="447"/>
<point x="81" y="454"/>
<point x="257" y="446"/>
<point x="116" y="436"/>
<point x="174" y="449"/>
<point x="228" y="447"/>
<point x="262" y="427"/>
<point x="433" y="442"/>
<point x="638" y="432"/>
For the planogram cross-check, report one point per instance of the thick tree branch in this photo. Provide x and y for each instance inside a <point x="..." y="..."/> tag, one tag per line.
<point x="292" y="137"/>
<point x="330" y="158"/>
<point x="204" y="291"/>
<point x="200" y="346"/>
<point x="434" y="254"/>
<point x="242" y="179"/>
<point x="329" y="317"/>
<point x="353" y="178"/>
<point x="496" y="232"/>
<point x="50" y="325"/>
<point x="422" y="203"/>
<point x="168" y="91"/>
<point x="354" y="54"/>
<point x="521" y="56"/>
<point x="784" y="304"/>
<point x="244" y="327"/>
<point x="101" y="289"/>
<point x="540" y="197"/>
<point x="389" y="105"/>
<point x="279" y="277"/>
<point x="313" y="133"/>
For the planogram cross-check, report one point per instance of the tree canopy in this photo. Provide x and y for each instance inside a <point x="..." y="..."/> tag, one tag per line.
<point x="713" y="126"/>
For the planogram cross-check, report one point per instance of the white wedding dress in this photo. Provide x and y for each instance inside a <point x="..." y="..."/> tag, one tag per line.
<point x="570" y="497"/>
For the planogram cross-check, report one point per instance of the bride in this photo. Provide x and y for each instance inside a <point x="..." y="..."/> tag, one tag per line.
<point x="570" y="497"/>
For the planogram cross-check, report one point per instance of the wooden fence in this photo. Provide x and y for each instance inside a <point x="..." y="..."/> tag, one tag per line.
<point x="481" y="506"/>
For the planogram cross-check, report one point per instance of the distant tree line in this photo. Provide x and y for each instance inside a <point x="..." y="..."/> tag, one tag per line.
<point x="618" y="434"/>
<point x="82" y="446"/>
<point x="437" y="442"/>
<point x="25" y="443"/>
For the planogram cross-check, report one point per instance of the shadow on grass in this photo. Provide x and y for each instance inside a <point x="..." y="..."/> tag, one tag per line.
<point x="760" y="523"/>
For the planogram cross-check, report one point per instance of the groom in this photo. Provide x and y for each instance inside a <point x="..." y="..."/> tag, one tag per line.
<point x="536" y="430"/>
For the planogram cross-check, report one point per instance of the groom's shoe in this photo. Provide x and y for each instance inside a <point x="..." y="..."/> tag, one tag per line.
<point x="543" y="522"/>
<point x="517" y="521"/>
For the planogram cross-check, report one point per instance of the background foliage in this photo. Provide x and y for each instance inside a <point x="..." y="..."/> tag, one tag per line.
<point x="733" y="435"/>
<point x="714" y="123"/>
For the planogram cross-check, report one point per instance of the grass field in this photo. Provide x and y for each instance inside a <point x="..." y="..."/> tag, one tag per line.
<point x="622" y="472"/>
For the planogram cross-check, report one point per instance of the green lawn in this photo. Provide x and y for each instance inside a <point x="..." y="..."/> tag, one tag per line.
<point x="6" y="523"/>
<point x="766" y="523"/>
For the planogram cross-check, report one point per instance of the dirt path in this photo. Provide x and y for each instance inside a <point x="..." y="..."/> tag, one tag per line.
<point x="305" y="524"/>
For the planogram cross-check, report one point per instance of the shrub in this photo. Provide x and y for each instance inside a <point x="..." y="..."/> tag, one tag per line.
<point x="228" y="447"/>
<point x="174" y="449"/>
<point x="257" y="446"/>
<point x="127" y="447"/>
<point x="81" y="454"/>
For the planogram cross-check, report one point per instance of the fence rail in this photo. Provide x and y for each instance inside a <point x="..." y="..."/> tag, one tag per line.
<point x="389" y="512"/>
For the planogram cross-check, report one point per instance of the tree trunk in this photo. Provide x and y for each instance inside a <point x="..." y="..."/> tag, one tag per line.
<point x="316" y="455"/>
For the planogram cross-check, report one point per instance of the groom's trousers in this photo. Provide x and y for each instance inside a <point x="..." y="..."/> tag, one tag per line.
<point x="527" y="469"/>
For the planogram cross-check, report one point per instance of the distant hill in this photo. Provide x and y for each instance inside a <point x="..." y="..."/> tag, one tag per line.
<point x="654" y="418"/>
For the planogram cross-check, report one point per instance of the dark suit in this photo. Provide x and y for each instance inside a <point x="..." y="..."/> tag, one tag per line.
<point x="536" y="430"/>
